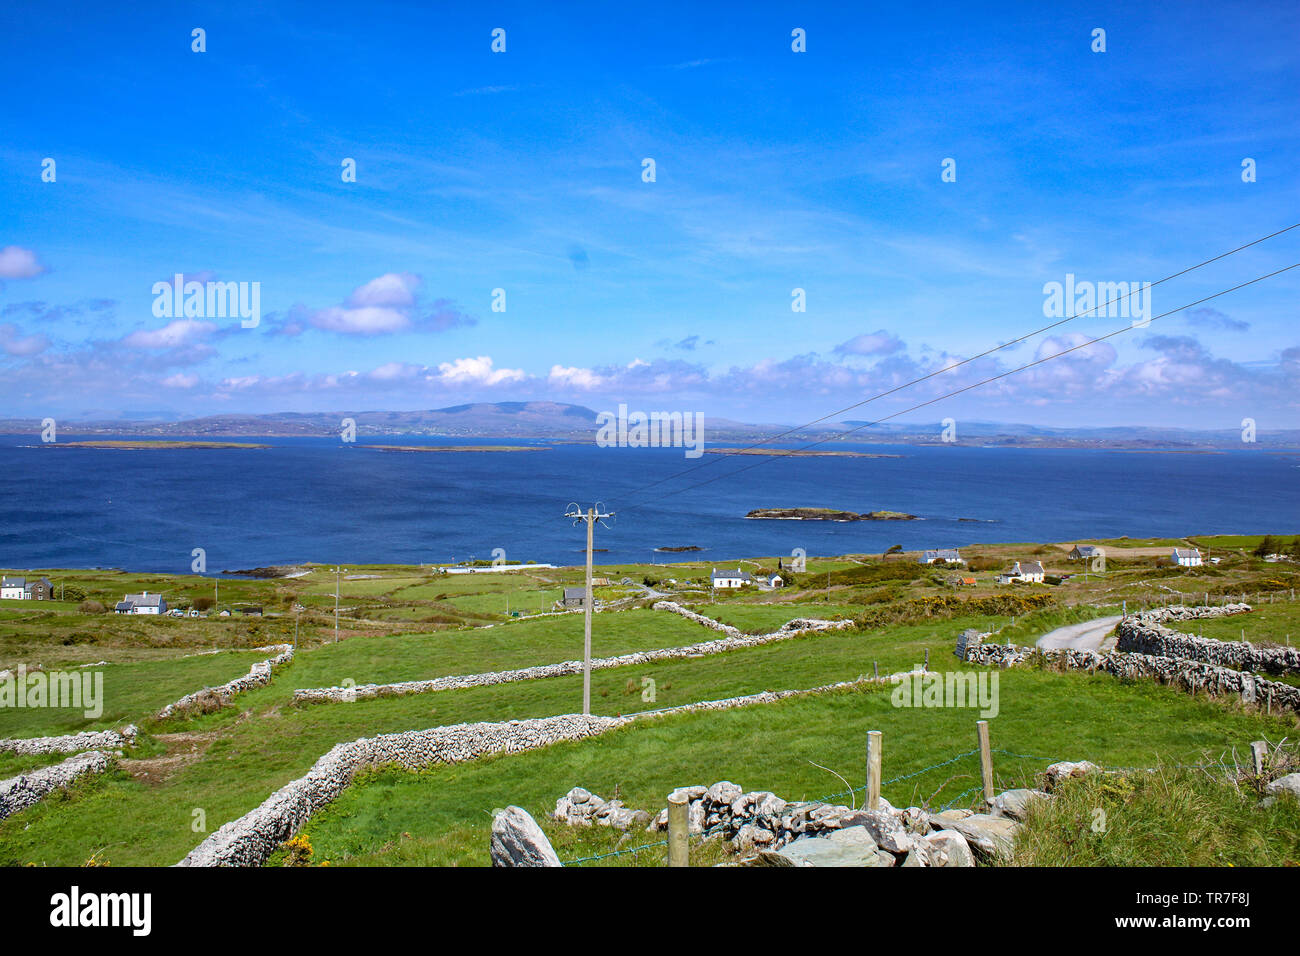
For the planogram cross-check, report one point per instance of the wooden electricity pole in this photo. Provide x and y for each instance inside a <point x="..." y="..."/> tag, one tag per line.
<point x="337" y="571"/>
<point x="591" y="516"/>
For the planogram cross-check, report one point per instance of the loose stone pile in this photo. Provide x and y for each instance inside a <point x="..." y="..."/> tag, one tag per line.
<point x="73" y="743"/>
<point x="734" y="641"/>
<point x="251" y="839"/>
<point x="258" y="675"/>
<point x="19" y="793"/>
<point x="769" y="831"/>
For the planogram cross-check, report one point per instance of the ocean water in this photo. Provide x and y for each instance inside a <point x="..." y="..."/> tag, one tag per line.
<point x="311" y="499"/>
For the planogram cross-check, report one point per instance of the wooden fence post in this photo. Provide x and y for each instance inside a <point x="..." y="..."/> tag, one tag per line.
<point x="678" y="832"/>
<point x="986" y="759"/>
<point x="1258" y="750"/>
<point x="874" y="741"/>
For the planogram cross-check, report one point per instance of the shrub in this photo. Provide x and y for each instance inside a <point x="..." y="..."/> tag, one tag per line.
<point x="90" y="607"/>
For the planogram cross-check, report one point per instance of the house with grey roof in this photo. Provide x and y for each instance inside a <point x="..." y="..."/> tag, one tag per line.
<point x="1082" y="552"/>
<point x="948" y="555"/>
<point x="22" y="589"/>
<point x="143" y="603"/>
<point x="573" y="597"/>
<point x="1023" y="572"/>
<point x="730" y="578"/>
<point x="1186" y="557"/>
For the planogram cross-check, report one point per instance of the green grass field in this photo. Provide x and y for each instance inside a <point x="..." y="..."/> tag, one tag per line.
<point x="410" y="624"/>
<point x="442" y="816"/>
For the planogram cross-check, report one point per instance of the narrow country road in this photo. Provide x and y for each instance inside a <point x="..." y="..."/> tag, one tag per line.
<point x="1087" y="636"/>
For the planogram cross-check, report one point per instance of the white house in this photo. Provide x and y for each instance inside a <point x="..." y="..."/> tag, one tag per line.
<point x="1027" y="572"/>
<point x="951" y="555"/>
<point x="1186" y="557"/>
<point x="772" y="581"/>
<point x="730" y="578"/>
<point x="21" y="589"/>
<point x="144" y="603"/>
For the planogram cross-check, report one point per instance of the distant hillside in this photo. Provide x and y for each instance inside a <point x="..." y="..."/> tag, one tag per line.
<point x="564" y="422"/>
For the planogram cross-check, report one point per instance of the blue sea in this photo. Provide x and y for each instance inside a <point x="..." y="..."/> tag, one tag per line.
<point x="318" y="499"/>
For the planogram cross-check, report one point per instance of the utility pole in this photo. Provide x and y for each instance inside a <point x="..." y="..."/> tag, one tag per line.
<point x="591" y="517"/>
<point x="337" y="571"/>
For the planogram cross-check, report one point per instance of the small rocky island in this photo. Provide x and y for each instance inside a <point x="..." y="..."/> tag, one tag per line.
<point x="828" y="514"/>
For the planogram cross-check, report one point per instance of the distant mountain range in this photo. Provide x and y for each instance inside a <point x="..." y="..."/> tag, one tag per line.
<point x="564" y="422"/>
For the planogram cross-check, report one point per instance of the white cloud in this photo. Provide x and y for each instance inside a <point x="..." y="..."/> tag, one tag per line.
<point x="477" y="371"/>
<point x="174" y="334"/>
<point x="19" y="263"/>
<point x="573" y="377"/>
<point x="371" y="320"/>
<point x="390" y="289"/>
<point x="879" y="342"/>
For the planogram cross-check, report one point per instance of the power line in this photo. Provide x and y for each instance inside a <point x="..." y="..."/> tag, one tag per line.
<point x="956" y="365"/>
<point x="967" y="388"/>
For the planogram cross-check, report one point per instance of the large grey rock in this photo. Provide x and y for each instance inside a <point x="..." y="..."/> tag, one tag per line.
<point x="1015" y="803"/>
<point x="1288" y="784"/>
<point x="517" y="840"/>
<point x="885" y="828"/>
<point x="849" y="847"/>
<point x="949" y="848"/>
<point x="989" y="836"/>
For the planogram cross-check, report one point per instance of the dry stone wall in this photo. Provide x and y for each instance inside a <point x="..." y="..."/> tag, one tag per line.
<point x="1144" y="635"/>
<point x="73" y="743"/>
<point x="258" y="675"/>
<point x="251" y="839"/>
<point x="19" y="793"/>
<point x="734" y="640"/>
<point x="1189" y="673"/>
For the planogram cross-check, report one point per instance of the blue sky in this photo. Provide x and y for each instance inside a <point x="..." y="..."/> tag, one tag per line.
<point x="522" y="171"/>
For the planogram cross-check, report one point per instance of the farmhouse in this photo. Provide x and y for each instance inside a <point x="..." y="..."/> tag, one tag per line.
<point x="573" y="597"/>
<point x="1082" y="552"/>
<point x="950" y="555"/>
<point x="771" y="581"/>
<point x="1023" y="572"/>
<point x="1186" y="557"/>
<point x="20" y="589"/>
<point x="144" y="603"/>
<point x="730" y="578"/>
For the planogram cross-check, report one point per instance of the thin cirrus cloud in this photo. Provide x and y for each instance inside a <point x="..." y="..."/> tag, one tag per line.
<point x="879" y="342"/>
<point x="14" y="342"/>
<point x="386" y="305"/>
<point x="175" y="334"/>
